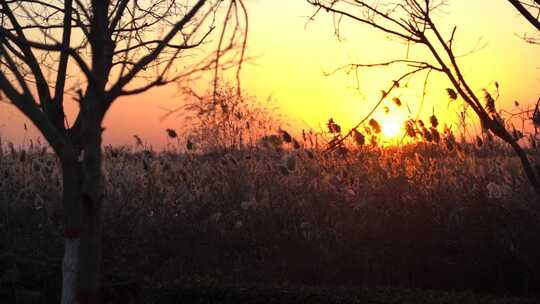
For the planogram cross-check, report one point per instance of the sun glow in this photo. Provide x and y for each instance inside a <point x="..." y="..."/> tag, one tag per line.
<point x="307" y="97"/>
<point x="391" y="128"/>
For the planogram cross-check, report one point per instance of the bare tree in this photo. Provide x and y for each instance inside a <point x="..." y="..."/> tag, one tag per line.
<point x="530" y="10"/>
<point x="103" y="49"/>
<point x="411" y="22"/>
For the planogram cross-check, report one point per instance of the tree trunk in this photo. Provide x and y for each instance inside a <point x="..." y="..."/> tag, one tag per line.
<point x="71" y="198"/>
<point x="90" y="251"/>
<point x="92" y="198"/>
<point x="70" y="268"/>
<point x="82" y="198"/>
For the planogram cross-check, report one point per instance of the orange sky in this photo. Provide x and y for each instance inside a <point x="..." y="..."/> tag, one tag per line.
<point x="291" y="58"/>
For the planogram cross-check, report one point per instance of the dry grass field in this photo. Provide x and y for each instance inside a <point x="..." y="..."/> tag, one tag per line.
<point x="417" y="216"/>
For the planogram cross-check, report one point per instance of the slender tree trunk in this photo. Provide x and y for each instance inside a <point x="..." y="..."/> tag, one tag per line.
<point x="71" y="197"/>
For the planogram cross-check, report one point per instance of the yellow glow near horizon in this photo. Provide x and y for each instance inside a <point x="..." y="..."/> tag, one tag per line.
<point x="294" y="56"/>
<point x="290" y="56"/>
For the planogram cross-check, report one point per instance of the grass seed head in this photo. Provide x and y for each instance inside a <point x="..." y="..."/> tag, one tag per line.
<point x="375" y="126"/>
<point x="138" y="140"/>
<point x="434" y="121"/>
<point x="490" y="102"/>
<point x="333" y="127"/>
<point x="451" y="93"/>
<point x="449" y="139"/>
<point x="435" y="134"/>
<point x="285" y="136"/>
<point x="171" y="133"/>
<point x="426" y="134"/>
<point x="359" y="138"/>
<point x="410" y="128"/>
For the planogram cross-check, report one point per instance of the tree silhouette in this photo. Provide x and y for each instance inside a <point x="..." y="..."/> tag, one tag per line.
<point x="104" y="49"/>
<point x="411" y="22"/>
<point x="530" y="10"/>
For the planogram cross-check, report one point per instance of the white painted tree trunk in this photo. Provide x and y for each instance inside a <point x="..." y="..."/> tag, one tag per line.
<point x="70" y="270"/>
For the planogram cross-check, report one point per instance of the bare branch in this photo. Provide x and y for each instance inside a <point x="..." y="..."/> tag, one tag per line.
<point x="534" y="21"/>
<point x="416" y="15"/>
<point x="408" y="36"/>
<point x="116" y="89"/>
<point x="59" y="115"/>
<point x="385" y="94"/>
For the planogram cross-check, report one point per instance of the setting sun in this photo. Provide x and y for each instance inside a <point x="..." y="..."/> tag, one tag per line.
<point x="387" y="146"/>
<point x="391" y="128"/>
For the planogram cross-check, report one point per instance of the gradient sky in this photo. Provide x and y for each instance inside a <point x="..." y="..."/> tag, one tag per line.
<point x="290" y="58"/>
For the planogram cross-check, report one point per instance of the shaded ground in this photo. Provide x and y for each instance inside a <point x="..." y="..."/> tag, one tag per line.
<point x="323" y="295"/>
<point x="284" y="295"/>
<point x="260" y="294"/>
